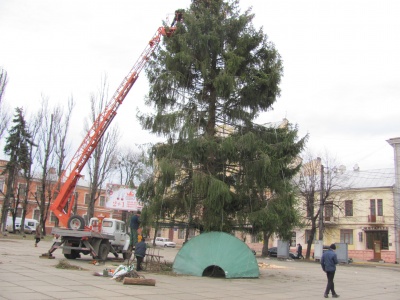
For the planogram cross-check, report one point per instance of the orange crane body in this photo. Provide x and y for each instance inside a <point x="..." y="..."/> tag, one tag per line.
<point x="70" y="176"/>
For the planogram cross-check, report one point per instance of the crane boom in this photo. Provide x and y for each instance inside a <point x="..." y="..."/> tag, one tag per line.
<point x="70" y="176"/>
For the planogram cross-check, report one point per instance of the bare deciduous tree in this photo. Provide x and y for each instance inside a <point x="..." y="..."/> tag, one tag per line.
<point x="131" y="169"/>
<point x="5" y="112"/>
<point x="53" y="127"/>
<point x="100" y="164"/>
<point x="316" y="183"/>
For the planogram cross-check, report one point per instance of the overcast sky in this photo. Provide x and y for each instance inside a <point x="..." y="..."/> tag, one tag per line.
<point x="341" y="81"/>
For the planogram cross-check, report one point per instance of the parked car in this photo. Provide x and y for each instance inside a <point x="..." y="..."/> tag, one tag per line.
<point x="273" y="252"/>
<point x="164" y="242"/>
<point x="28" y="229"/>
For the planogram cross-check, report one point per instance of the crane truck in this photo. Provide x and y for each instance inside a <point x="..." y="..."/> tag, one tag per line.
<point x="102" y="235"/>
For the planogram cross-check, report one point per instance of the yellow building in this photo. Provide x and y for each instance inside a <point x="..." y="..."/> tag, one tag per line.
<point x="360" y="213"/>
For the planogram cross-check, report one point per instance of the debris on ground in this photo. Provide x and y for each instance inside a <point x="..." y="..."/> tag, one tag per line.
<point x="129" y="274"/>
<point x="47" y="255"/>
<point x="269" y="266"/>
<point x="94" y="262"/>
<point x="64" y="264"/>
<point x="120" y="273"/>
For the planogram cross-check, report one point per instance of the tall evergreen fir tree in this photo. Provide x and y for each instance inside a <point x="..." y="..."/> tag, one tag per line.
<point x="209" y="82"/>
<point x="17" y="148"/>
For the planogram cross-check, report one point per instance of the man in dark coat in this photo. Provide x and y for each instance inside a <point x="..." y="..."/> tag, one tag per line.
<point x="299" y="251"/>
<point x="140" y="253"/>
<point x="328" y="264"/>
<point x="134" y="226"/>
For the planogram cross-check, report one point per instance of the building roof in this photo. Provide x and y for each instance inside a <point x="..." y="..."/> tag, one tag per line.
<point x="376" y="178"/>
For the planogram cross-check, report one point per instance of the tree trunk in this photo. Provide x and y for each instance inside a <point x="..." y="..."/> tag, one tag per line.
<point x="90" y="210"/>
<point x="139" y="281"/>
<point x="311" y="239"/>
<point x="264" y="251"/>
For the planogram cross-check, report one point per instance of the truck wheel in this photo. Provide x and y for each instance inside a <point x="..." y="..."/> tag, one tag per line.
<point x="76" y="222"/>
<point x="74" y="255"/>
<point x="103" y="252"/>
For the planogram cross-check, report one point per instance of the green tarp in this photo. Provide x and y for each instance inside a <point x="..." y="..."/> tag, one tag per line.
<point x="216" y="252"/>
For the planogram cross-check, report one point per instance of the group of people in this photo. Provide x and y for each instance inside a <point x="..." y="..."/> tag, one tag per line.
<point x="328" y="260"/>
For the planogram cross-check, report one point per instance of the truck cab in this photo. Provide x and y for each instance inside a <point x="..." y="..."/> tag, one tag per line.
<point x="114" y="227"/>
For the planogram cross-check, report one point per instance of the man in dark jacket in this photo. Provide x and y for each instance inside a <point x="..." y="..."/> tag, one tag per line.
<point x="140" y="253"/>
<point x="328" y="264"/>
<point x="134" y="226"/>
<point x="299" y="251"/>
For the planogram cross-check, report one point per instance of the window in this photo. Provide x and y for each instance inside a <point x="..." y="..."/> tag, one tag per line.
<point x="346" y="236"/>
<point x="328" y="209"/>
<point x="372" y="208"/>
<point x="293" y="239"/>
<point x="381" y="236"/>
<point x="102" y="201"/>
<point x="19" y="212"/>
<point x="2" y="185"/>
<point x="39" y="192"/>
<point x="192" y="232"/>
<point x="53" y="218"/>
<point x="380" y="207"/>
<point x="36" y="214"/>
<point x="181" y="234"/>
<point x="87" y="199"/>
<point x="107" y="224"/>
<point x="254" y="238"/>
<point x="21" y="189"/>
<point x="348" y="208"/>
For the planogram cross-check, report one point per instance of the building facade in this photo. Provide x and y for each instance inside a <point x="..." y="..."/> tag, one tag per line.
<point x="361" y="215"/>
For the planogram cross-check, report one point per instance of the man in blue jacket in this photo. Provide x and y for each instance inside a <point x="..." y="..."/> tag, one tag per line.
<point x="140" y="252"/>
<point x="328" y="263"/>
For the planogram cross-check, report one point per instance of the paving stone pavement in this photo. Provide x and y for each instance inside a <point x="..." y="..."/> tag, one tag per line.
<point x="23" y="275"/>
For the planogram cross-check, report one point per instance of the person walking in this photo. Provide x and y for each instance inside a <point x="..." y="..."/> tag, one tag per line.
<point x="134" y="226"/>
<point x="37" y="234"/>
<point x="328" y="264"/>
<point x="140" y="253"/>
<point x="299" y="251"/>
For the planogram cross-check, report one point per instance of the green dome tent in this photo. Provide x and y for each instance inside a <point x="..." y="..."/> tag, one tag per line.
<point x="216" y="254"/>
